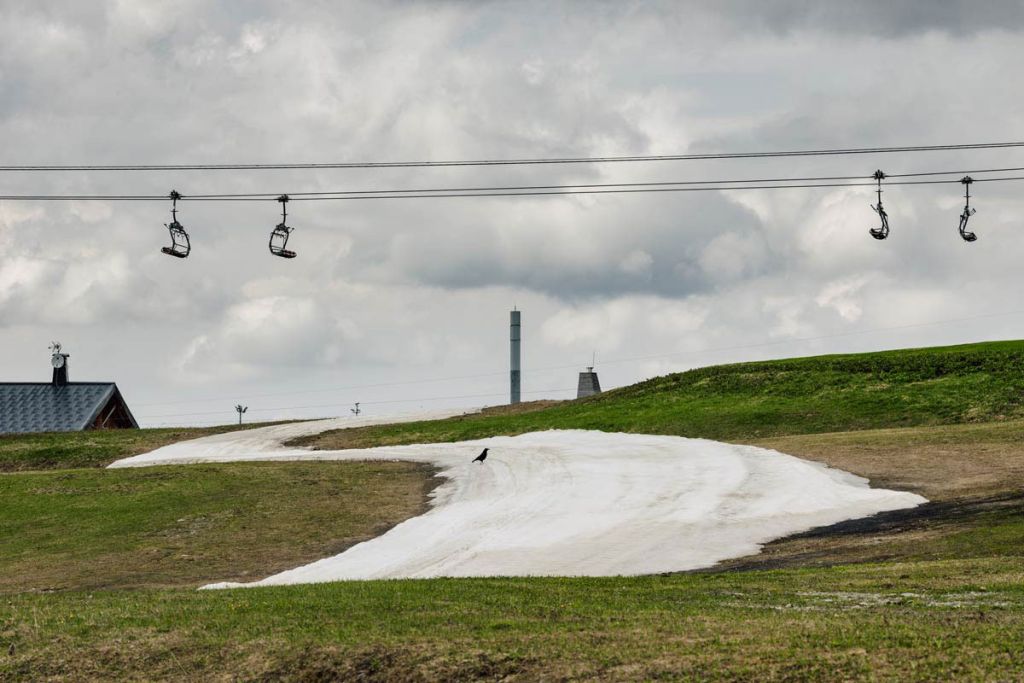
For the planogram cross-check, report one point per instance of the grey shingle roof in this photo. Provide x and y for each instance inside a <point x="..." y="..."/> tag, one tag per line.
<point x="31" y="407"/>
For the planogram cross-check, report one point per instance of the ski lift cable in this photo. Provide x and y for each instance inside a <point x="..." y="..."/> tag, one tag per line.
<point x="715" y="188"/>
<point x="615" y="188"/>
<point x="506" y="162"/>
<point x="599" y="185"/>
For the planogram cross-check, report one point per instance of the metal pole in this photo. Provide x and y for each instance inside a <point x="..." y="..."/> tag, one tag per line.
<point x="515" y="375"/>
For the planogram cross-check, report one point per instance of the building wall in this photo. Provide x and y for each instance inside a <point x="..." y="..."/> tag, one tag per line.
<point x="589" y="385"/>
<point x="114" y="415"/>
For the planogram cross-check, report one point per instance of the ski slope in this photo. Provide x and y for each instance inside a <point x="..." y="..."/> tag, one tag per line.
<point x="569" y="503"/>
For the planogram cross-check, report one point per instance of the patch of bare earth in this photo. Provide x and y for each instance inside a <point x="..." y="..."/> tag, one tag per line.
<point x="971" y="474"/>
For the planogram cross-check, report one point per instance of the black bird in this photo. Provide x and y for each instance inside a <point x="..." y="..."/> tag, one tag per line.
<point x="482" y="456"/>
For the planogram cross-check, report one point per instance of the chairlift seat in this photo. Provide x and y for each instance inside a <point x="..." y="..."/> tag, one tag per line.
<point x="967" y="235"/>
<point x="279" y="241"/>
<point x="180" y="245"/>
<point x="882" y="232"/>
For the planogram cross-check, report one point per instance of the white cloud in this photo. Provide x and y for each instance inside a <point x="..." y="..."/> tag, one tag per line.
<point x="385" y="291"/>
<point x="843" y="296"/>
<point x="267" y="332"/>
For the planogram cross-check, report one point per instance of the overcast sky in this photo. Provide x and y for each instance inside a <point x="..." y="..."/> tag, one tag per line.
<point x="413" y="295"/>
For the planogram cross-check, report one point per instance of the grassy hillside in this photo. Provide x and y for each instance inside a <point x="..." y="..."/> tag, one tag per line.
<point x="943" y="599"/>
<point x="925" y="621"/>
<point x="86" y="529"/>
<point x="933" y="593"/>
<point x="748" y="401"/>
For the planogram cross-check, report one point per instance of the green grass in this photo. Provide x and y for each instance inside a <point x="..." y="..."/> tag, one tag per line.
<point x="953" y="620"/>
<point x="748" y="401"/>
<point x="65" y="450"/>
<point x="931" y="594"/>
<point x="160" y="526"/>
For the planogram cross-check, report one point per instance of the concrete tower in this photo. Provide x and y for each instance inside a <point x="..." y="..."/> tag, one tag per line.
<point x="515" y="374"/>
<point x="588" y="385"/>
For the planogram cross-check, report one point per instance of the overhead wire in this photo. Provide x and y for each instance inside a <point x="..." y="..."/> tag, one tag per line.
<point x="323" y="391"/>
<point x="538" y="190"/>
<point x="507" y="162"/>
<point x="530" y="191"/>
<point x="601" y="185"/>
<point x="365" y="403"/>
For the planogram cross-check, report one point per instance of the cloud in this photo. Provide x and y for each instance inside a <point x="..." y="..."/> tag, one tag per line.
<point x="275" y="331"/>
<point x="842" y="295"/>
<point x="876" y="17"/>
<point x="388" y="291"/>
<point x="616" y="324"/>
<point x="582" y="247"/>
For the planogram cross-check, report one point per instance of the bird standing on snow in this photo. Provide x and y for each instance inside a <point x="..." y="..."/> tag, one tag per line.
<point x="482" y="456"/>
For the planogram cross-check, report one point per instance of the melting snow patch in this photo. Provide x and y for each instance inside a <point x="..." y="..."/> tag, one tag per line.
<point x="571" y="503"/>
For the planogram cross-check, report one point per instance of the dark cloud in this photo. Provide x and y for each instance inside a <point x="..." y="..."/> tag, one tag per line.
<point x="671" y="245"/>
<point x="882" y="18"/>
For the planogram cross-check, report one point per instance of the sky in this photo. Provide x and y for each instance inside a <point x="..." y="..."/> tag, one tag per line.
<point x="403" y="305"/>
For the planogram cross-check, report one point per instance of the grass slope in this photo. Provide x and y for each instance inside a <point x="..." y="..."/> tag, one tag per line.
<point x="160" y="526"/>
<point x="748" y="401"/>
<point x="951" y="620"/>
<point x="935" y="593"/>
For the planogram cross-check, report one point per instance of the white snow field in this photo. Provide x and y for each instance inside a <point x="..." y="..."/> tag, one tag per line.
<point x="569" y="503"/>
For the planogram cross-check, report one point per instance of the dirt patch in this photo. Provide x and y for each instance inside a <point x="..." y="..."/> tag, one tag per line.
<point x="924" y="532"/>
<point x="971" y="475"/>
<point x="940" y="463"/>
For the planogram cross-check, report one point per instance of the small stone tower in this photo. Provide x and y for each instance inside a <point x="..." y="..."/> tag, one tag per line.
<point x="589" y="385"/>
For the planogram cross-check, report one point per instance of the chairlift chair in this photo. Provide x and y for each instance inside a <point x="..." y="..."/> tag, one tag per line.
<point x="279" y="235"/>
<point x="180" y="244"/>
<point x="882" y="232"/>
<point x="967" y="235"/>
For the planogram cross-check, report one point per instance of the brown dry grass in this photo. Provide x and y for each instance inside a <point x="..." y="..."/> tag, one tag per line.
<point x="941" y="463"/>
<point x="971" y="475"/>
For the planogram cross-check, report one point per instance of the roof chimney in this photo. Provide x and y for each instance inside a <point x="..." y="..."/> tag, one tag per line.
<point x="59" y="361"/>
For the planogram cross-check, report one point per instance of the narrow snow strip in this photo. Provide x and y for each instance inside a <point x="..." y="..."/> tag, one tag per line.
<point x="265" y="443"/>
<point x="572" y="503"/>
